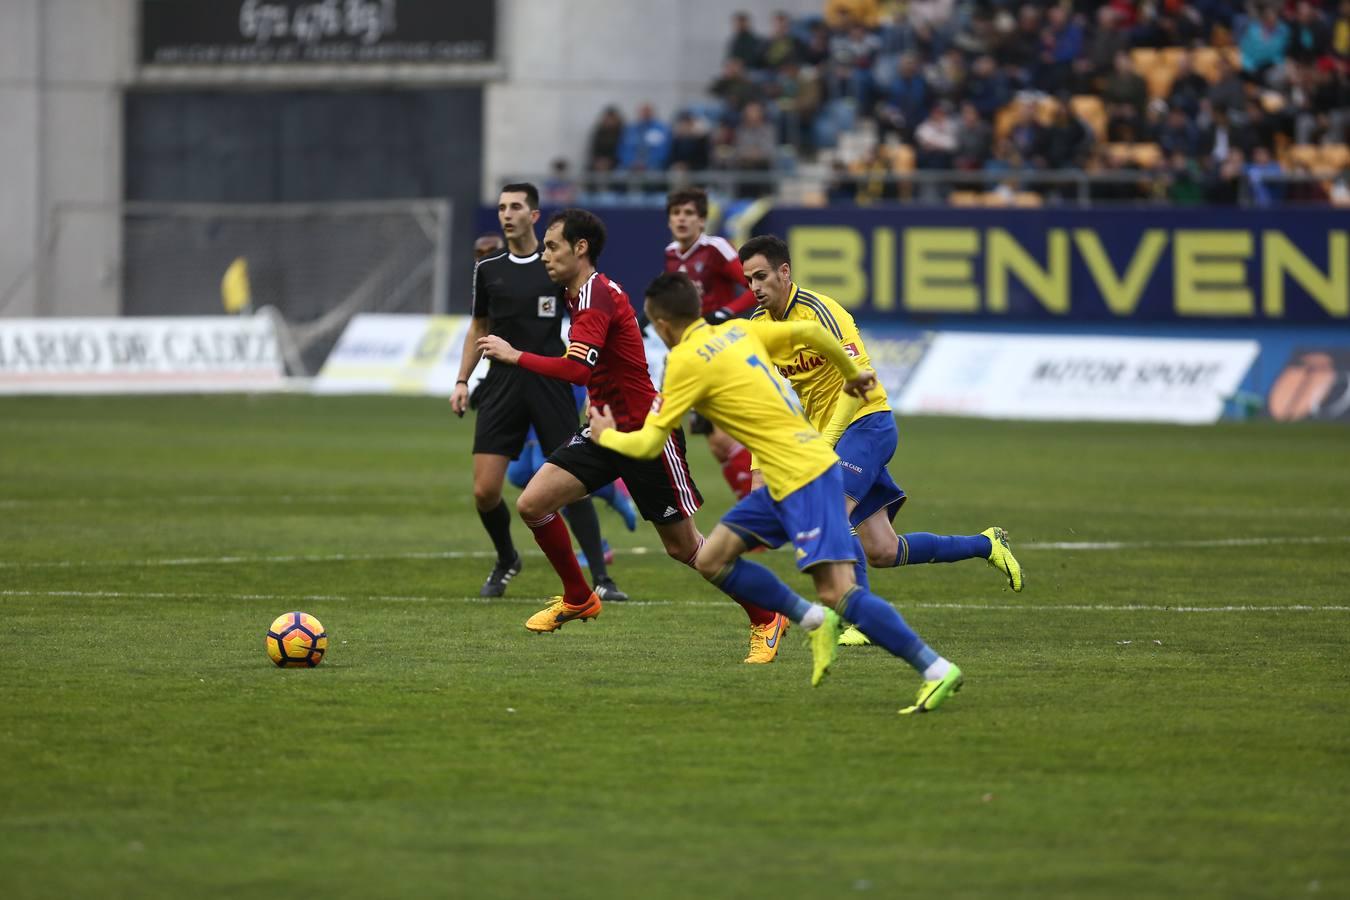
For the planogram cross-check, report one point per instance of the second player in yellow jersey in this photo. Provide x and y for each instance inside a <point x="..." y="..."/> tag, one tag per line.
<point x="816" y="382"/>
<point x="863" y="432"/>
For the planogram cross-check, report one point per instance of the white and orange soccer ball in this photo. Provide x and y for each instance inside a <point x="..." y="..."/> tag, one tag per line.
<point x="296" y="640"/>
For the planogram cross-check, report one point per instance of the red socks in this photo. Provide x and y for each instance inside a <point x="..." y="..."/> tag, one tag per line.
<point x="552" y="537"/>
<point x="758" y="615"/>
<point x="736" y="470"/>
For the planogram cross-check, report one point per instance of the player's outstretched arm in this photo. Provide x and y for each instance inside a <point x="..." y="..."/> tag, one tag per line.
<point x="681" y="390"/>
<point x="564" y="368"/>
<point x="779" y="337"/>
<point x="645" y="443"/>
<point x="844" y="410"/>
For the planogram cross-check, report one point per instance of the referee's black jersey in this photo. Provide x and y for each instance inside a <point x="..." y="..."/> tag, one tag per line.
<point x="525" y="307"/>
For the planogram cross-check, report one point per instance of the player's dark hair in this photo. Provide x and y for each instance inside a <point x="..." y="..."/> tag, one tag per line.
<point x="773" y="248"/>
<point x="524" y="187"/>
<point x="696" y="196"/>
<point x="488" y="244"/>
<point x="581" y="224"/>
<point x="673" y="296"/>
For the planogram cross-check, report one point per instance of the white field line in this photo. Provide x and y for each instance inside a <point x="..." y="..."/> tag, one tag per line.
<point x="706" y="604"/>
<point x="217" y="500"/>
<point x="1197" y="544"/>
<point x="632" y="551"/>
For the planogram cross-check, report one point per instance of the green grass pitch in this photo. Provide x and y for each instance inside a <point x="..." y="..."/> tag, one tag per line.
<point x="1165" y="711"/>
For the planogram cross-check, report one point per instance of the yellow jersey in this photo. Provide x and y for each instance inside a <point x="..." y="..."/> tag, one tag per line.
<point x="817" y="383"/>
<point x="723" y="371"/>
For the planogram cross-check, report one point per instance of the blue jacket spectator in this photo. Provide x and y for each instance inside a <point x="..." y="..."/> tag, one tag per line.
<point x="909" y="92"/>
<point x="646" y="142"/>
<point x="1263" y="42"/>
<point x="1067" y="37"/>
<point x="1264" y="193"/>
<point x="988" y="88"/>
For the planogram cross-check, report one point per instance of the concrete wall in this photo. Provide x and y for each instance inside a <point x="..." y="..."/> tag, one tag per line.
<point x="62" y="63"/>
<point x="566" y="61"/>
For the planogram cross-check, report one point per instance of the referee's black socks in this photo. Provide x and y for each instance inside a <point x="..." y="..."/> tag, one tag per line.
<point x="497" y="523"/>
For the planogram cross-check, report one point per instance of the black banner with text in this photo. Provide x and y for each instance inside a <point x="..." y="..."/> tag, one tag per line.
<point x="254" y="32"/>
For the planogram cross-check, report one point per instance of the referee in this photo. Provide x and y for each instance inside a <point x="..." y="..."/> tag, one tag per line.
<point x="514" y="298"/>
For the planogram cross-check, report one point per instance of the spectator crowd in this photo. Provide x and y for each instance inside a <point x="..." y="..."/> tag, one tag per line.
<point x="1208" y="101"/>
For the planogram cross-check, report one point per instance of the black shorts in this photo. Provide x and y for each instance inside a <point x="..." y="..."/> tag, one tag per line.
<point x="662" y="488"/>
<point x="512" y="401"/>
<point x="699" y="425"/>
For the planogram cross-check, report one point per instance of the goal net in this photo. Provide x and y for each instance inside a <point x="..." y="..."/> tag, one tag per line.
<point x="313" y="265"/>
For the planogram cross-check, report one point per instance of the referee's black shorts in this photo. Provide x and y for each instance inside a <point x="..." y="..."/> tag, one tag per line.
<point x="511" y="400"/>
<point x="662" y="488"/>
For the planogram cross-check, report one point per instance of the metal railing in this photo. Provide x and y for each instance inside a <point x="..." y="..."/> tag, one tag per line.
<point x="1073" y="187"/>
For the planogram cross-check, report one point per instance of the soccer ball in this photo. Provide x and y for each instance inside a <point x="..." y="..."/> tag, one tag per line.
<point x="296" y="639"/>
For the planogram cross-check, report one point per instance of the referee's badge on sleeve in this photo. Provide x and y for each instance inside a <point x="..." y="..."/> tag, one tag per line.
<point x="548" y="306"/>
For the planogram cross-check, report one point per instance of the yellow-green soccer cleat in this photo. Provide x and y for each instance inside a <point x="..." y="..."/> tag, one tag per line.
<point x="558" y="613"/>
<point x="852" y="637"/>
<point x="1001" y="557"/>
<point x="933" y="693"/>
<point x="824" y="647"/>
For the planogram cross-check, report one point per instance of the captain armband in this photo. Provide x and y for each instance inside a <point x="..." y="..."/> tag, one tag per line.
<point x="585" y="354"/>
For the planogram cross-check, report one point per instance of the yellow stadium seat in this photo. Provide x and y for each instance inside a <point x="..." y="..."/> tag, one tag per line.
<point x="1144" y="58"/>
<point x="1145" y="156"/>
<point x="1332" y="158"/>
<point x="1302" y="155"/>
<point x="1205" y="62"/>
<point x="1174" y="55"/>
<point x="902" y="158"/>
<point x="1160" y="76"/>
<point x="1003" y="121"/>
<point x="1046" y="108"/>
<point x="1090" y="109"/>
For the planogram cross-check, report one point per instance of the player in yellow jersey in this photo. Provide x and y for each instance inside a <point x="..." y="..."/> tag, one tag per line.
<point x="723" y="372"/>
<point x="862" y="432"/>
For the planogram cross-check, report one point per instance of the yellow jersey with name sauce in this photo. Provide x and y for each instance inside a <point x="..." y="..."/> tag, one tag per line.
<point x="725" y="372"/>
<point x="817" y="383"/>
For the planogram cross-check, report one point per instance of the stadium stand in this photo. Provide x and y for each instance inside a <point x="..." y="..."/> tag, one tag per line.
<point x="871" y="93"/>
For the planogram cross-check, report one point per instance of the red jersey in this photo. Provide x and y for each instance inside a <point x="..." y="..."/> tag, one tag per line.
<point x="712" y="264"/>
<point x="605" y="337"/>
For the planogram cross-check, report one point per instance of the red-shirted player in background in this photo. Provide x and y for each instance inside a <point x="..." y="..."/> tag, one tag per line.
<point x="712" y="264"/>
<point x="606" y="354"/>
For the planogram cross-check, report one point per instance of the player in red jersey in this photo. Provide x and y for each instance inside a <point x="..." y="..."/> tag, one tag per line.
<point x="606" y="354"/>
<point x="715" y="268"/>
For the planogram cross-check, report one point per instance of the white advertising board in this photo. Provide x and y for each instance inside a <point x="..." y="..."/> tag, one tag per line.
<point x="139" y="355"/>
<point x="396" y="354"/>
<point x="1009" y="376"/>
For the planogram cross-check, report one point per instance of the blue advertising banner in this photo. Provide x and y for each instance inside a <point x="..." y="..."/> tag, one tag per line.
<point x="1145" y="265"/>
<point x="1085" y="266"/>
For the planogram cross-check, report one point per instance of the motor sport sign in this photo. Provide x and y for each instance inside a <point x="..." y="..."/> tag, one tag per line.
<point x="1011" y="376"/>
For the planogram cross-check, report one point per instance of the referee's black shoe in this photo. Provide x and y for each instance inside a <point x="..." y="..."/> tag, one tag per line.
<point x="609" y="592"/>
<point x="501" y="576"/>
